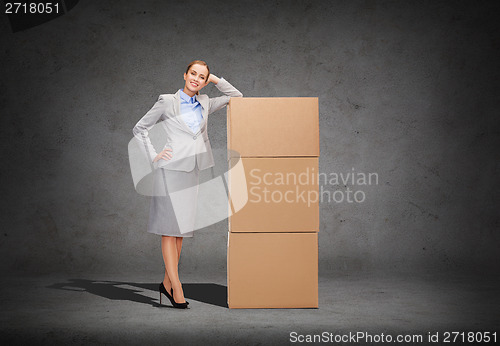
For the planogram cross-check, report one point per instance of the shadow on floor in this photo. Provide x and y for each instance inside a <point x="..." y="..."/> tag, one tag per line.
<point x="208" y="293"/>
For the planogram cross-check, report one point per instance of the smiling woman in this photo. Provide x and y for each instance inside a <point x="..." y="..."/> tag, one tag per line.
<point x="184" y="116"/>
<point x="197" y="74"/>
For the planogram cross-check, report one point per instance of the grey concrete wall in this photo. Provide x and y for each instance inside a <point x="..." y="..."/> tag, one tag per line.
<point x="407" y="90"/>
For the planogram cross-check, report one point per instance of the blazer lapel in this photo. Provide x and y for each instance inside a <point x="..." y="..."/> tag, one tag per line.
<point x="204" y="110"/>
<point x="204" y="106"/>
<point x="177" y="104"/>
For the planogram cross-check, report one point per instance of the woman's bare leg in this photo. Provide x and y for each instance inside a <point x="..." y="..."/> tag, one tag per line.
<point x="179" y="247"/>
<point x="166" y="279"/>
<point x="169" y="246"/>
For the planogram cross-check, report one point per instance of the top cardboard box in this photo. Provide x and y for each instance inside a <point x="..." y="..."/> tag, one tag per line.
<point x="273" y="126"/>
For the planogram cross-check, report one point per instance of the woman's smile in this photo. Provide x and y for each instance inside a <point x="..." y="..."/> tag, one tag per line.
<point x="196" y="79"/>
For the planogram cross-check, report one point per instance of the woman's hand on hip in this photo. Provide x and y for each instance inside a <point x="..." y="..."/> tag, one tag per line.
<point x="164" y="154"/>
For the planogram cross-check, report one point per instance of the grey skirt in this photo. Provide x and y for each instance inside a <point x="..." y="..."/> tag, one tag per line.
<point x="173" y="206"/>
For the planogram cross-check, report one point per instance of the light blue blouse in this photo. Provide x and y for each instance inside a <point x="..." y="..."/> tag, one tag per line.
<point x="190" y="111"/>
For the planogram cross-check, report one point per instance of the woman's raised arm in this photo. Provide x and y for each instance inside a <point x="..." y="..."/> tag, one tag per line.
<point x="225" y="87"/>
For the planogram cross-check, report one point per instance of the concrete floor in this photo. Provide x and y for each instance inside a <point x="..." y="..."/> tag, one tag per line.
<point x="113" y="309"/>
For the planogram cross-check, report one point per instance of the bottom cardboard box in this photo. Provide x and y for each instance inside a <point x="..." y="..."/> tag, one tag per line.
<point x="272" y="270"/>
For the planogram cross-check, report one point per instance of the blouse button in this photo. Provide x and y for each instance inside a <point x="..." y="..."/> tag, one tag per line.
<point x="194" y="137"/>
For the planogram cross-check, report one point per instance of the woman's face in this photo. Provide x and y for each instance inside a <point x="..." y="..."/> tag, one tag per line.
<point x="196" y="79"/>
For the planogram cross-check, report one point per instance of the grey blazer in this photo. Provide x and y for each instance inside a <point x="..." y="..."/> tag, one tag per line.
<point x="187" y="147"/>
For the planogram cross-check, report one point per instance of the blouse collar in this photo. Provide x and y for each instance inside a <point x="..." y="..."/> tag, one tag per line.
<point x="186" y="98"/>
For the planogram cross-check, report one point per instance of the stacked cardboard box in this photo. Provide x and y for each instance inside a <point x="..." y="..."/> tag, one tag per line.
<point x="273" y="150"/>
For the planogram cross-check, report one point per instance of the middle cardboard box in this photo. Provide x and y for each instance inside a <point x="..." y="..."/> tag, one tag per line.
<point x="273" y="194"/>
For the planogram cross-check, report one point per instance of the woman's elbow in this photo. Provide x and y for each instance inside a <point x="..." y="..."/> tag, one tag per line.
<point x="137" y="131"/>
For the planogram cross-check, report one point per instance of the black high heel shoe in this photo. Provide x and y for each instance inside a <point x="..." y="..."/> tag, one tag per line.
<point x="172" y="294"/>
<point x="163" y="290"/>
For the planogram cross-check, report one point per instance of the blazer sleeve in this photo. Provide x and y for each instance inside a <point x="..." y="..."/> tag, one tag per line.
<point x="225" y="87"/>
<point x="141" y="129"/>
